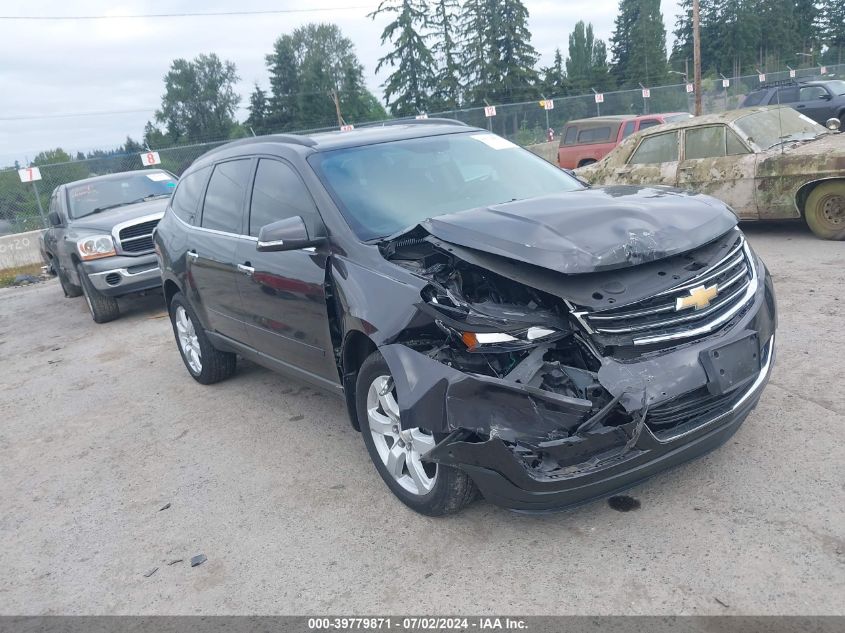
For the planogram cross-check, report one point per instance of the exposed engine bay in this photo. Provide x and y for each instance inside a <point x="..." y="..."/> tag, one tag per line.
<point x="500" y="360"/>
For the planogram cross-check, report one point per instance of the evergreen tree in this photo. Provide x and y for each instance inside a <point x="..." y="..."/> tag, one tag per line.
<point x="409" y="87"/>
<point x="586" y="66"/>
<point x="447" y="79"/>
<point x="639" y="44"/>
<point x="832" y="30"/>
<point x="554" y="77"/>
<point x="498" y="56"/>
<point x="258" y="110"/>
<point x="308" y="69"/>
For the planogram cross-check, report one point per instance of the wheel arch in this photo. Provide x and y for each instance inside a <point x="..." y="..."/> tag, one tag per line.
<point x="170" y="289"/>
<point x="806" y="189"/>
<point x="356" y="347"/>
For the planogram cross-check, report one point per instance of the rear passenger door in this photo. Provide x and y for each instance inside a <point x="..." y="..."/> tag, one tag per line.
<point x="211" y="264"/>
<point x="717" y="162"/>
<point x="284" y="292"/>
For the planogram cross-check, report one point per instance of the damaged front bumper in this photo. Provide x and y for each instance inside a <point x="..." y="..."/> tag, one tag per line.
<point x="530" y="449"/>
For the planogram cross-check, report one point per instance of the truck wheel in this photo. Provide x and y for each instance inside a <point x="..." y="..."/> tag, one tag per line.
<point x="825" y="210"/>
<point x="68" y="288"/>
<point x="398" y="455"/>
<point x="103" y="308"/>
<point x="204" y="362"/>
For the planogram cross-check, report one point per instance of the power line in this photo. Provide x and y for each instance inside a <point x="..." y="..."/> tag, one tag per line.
<point x="180" y="15"/>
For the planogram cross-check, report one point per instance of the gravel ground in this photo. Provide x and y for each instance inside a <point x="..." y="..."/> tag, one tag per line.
<point x="102" y="427"/>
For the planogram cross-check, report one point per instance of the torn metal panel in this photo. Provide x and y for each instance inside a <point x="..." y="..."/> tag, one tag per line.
<point x="589" y="230"/>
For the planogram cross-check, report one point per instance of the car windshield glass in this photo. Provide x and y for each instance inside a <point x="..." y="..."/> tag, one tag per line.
<point x="836" y="87"/>
<point x="768" y="128"/>
<point x="109" y="193"/>
<point x="384" y="188"/>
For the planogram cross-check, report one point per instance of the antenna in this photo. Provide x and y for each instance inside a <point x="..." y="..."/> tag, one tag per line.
<point x="780" y="122"/>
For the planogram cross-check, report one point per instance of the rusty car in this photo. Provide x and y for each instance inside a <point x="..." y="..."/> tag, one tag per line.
<point x="766" y="163"/>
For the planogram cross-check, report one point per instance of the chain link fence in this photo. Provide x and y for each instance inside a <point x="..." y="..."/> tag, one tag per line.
<point x="23" y="206"/>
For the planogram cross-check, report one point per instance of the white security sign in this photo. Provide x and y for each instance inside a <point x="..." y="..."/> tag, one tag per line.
<point x="646" y="93"/>
<point x="726" y="83"/>
<point x="548" y="104"/>
<point x="599" y="97"/>
<point x="347" y="128"/>
<point x="421" y="117"/>
<point x="823" y="70"/>
<point x="791" y="74"/>
<point x="690" y="88"/>
<point x="489" y="111"/>
<point x="150" y="158"/>
<point x="29" y="174"/>
<point x="762" y="78"/>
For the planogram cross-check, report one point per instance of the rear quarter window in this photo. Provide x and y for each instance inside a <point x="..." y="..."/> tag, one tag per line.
<point x="754" y="98"/>
<point x="570" y="136"/>
<point x="594" y="135"/>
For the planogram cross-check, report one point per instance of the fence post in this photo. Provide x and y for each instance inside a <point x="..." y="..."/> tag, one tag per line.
<point x="40" y="208"/>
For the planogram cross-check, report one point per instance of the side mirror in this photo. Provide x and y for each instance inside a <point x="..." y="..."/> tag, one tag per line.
<point x="289" y="234"/>
<point x="54" y="219"/>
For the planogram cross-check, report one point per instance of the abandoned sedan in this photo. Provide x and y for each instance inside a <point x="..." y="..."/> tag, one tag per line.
<point x="766" y="163"/>
<point x="492" y="324"/>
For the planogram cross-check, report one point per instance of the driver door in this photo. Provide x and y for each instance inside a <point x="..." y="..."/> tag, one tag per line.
<point x="654" y="162"/>
<point x="717" y="162"/>
<point x="283" y="293"/>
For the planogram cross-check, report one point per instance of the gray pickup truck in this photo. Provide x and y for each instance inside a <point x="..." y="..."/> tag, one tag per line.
<point x="100" y="240"/>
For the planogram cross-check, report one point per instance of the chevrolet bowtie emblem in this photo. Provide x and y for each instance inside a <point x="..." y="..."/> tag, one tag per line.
<point x="699" y="298"/>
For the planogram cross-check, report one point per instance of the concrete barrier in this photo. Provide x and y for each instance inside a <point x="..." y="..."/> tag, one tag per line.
<point x="20" y="249"/>
<point x="545" y="150"/>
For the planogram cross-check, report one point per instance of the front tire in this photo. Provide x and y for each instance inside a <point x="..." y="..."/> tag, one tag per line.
<point x="203" y="361"/>
<point x="71" y="291"/>
<point x="102" y="307"/>
<point x="825" y="210"/>
<point x="399" y="455"/>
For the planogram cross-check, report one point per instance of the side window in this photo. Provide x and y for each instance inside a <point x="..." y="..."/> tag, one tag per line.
<point x="734" y="145"/>
<point x="223" y="206"/>
<point x="644" y="125"/>
<point x="570" y="135"/>
<point x="594" y="135"/>
<point x="811" y="93"/>
<point x="54" y="202"/>
<point x="784" y="95"/>
<point x="661" y="148"/>
<point x="278" y="193"/>
<point x="187" y="195"/>
<point x="704" y="142"/>
<point x="630" y="126"/>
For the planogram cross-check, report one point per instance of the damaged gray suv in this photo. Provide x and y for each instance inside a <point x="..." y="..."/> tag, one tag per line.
<point x="493" y="325"/>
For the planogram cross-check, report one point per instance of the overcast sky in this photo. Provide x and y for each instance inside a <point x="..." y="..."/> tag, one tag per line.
<point x="51" y="70"/>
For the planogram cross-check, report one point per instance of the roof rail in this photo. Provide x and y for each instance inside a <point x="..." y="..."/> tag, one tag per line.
<point x="434" y="121"/>
<point x="779" y="83"/>
<point x="294" y="139"/>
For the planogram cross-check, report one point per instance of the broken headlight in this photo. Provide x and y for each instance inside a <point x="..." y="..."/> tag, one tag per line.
<point x="509" y="341"/>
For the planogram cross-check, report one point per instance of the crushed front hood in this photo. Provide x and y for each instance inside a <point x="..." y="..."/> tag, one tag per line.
<point x="590" y="230"/>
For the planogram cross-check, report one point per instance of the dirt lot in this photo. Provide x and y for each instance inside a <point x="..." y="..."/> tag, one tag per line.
<point x="102" y="426"/>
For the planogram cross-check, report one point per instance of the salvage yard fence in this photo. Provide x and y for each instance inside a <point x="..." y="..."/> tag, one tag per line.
<point x="23" y="206"/>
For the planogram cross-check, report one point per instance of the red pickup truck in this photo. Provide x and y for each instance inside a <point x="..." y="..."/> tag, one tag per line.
<point x="587" y="141"/>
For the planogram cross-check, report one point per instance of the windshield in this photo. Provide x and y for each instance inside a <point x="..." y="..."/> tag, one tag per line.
<point x="768" y="128"/>
<point x="109" y="193"/>
<point x="384" y="188"/>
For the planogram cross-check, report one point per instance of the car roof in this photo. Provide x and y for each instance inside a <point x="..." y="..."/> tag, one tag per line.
<point x="115" y="176"/>
<point x="721" y="117"/>
<point x="327" y="141"/>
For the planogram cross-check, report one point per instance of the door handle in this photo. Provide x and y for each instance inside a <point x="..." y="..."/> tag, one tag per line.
<point x="192" y="254"/>
<point x="686" y="168"/>
<point x="623" y="170"/>
<point x="246" y="269"/>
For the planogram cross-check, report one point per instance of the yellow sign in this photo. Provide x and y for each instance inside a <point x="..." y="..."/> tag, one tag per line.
<point x="699" y="298"/>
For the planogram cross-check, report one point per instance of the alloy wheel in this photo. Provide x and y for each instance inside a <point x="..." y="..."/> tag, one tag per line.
<point x="401" y="450"/>
<point x="188" y="340"/>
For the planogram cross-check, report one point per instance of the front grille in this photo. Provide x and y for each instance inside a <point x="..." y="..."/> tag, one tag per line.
<point x="137" y="238"/>
<point x="658" y="319"/>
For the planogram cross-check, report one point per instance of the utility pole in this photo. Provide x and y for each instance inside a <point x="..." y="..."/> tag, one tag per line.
<point x="696" y="36"/>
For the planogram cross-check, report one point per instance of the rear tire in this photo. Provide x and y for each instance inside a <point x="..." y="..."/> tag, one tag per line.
<point x="71" y="291"/>
<point x="824" y="210"/>
<point x="428" y="488"/>
<point x="102" y="307"/>
<point x="204" y="362"/>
